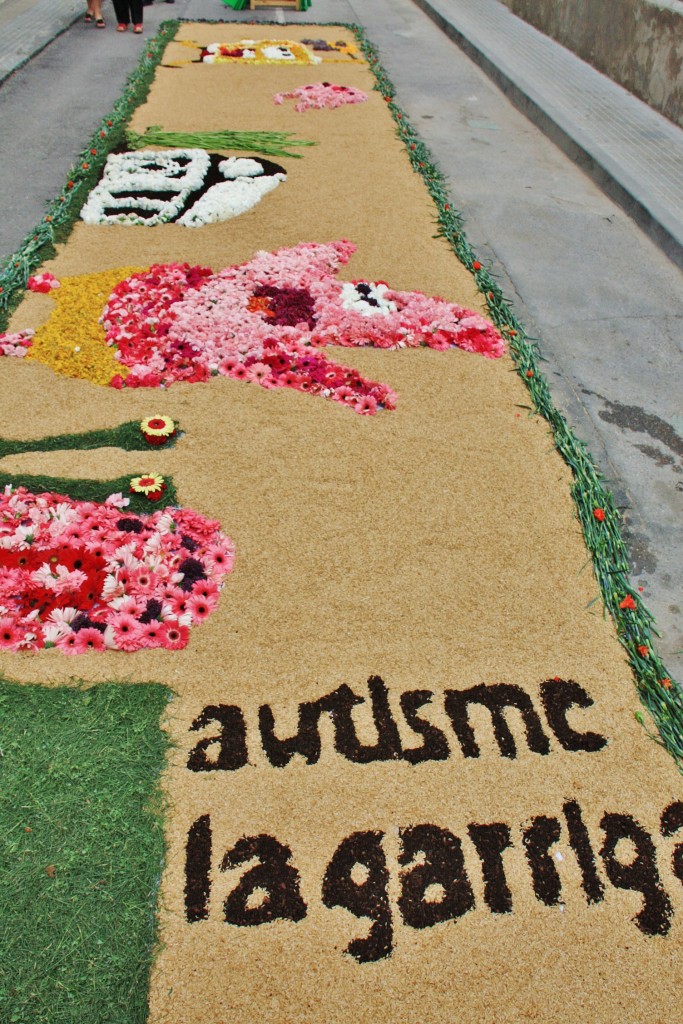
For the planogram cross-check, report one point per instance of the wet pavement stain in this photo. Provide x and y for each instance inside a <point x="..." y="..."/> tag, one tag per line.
<point x="660" y="457"/>
<point x="632" y="417"/>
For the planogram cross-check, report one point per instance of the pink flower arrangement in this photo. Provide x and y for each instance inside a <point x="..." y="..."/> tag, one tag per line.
<point x="82" y="576"/>
<point x="17" y="343"/>
<point x="264" y="322"/>
<point x="321" y="96"/>
<point x="44" y="282"/>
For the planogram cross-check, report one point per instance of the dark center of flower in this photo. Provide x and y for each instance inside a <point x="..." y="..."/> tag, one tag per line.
<point x="287" y="307"/>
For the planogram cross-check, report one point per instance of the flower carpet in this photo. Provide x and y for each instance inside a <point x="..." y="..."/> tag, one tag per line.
<point x="295" y="463"/>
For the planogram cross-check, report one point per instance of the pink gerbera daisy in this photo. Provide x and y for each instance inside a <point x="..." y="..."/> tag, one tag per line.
<point x="174" y="636"/>
<point x="366" y="406"/>
<point x="345" y="393"/>
<point x="199" y="607"/>
<point x="219" y="560"/>
<point x="67" y="643"/>
<point x="259" y="373"/>
<point x="87" y="639"/>
<point x="227" y="365"/>
<point x="10" y="636"/>
<point x="152" y="634"/>
<point x="178" y="602"/>
<point x="143" y="581"/>
<point x="126" y="631"/>
<point x="208" y="590"/>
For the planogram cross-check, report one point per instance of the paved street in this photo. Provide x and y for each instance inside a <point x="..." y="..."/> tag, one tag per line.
<point x="603" y="293"/>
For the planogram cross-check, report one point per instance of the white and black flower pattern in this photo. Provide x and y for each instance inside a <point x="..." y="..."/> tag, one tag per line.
<point x="183" y="186"/>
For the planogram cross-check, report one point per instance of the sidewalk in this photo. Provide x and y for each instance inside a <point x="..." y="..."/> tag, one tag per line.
<point x="632" y="151"/>
<point x="605" y="301"/>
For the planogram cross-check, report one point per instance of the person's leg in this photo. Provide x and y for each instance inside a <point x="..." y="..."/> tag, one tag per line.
<point x="122" y="11"/>
<point x="136" y="14"/>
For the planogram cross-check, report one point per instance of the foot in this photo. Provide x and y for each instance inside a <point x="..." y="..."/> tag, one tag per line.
<point x="137" y="29"/>
<point x="88" y="19"/>
<point x="121" y="27"/>
<point x="100" y="23"/>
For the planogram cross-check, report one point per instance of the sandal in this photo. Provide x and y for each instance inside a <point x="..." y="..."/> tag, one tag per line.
<point x="88" y="19"/>
<point x="121" y="27"/>
<point x="100" y="23"/>
<point x="137" y="29"/>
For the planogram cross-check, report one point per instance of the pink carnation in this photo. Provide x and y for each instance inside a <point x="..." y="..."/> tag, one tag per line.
<point x="44" y="282"/>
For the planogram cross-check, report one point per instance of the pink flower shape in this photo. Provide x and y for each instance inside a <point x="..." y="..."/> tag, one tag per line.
<point x="321" y="95"/>
<point x="266" y="320"/>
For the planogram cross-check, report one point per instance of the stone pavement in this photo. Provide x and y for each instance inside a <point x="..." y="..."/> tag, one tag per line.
<point x="603" y="298"/>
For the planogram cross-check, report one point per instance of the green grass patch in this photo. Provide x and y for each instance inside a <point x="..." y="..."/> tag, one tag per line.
<point x="93" y="490"/>
<point x="81" y="851"/>
<point x="127" y="436"/>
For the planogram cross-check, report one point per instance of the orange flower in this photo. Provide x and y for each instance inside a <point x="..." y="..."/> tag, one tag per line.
<point x="628" y="602"/>
<point x="666" y="683"/>
<point x="643" y="651"/>
<point x="476" y="265"/>
<point x="599" y="514"/>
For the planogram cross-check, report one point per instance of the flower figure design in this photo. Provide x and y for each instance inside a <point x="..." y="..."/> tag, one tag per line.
<point x="266" y="321"/>
<point x="258" y="51"/>
<point x="82" y="576"/>
<point x="183" y="186"/>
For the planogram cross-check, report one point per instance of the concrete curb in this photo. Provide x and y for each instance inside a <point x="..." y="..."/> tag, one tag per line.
<point x="30" y="32"/>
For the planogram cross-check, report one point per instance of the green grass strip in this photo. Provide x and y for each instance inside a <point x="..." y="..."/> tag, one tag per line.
<point x="268" y="143"/>
<point x="81" y="851"/>
<point x="127" y="436"/>
<point x="93" y="490"/>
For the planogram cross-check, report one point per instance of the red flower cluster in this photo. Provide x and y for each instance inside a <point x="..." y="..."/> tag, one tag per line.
<point x="35" y="597"/>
